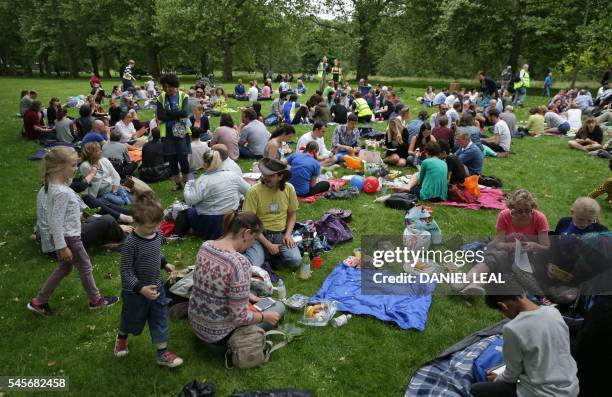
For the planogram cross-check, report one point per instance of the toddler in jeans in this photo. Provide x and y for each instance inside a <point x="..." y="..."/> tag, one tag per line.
<point x="144" y="299"/>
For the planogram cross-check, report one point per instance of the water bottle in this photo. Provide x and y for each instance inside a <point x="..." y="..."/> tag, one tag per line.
<point x="340" y="320"/>
<point x="305" y="268"/>
<point x="280" y="289"/>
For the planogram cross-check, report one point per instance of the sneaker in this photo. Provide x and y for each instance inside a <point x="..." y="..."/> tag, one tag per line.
<point x="169" y="360"/>
<point x="121" y="349"/>
<point x="473" y="290"/>
<point x="40" y="308"/>
<point x="104" y="301"/>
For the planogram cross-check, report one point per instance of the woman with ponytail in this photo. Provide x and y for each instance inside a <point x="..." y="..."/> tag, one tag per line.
<point x="214" y="193"/>
<point x="220" y="301"/>
<point x="280" y="136"/>
<point x="305" y="171"/>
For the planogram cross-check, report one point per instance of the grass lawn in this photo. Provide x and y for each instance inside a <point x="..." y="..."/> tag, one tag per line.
<point x="364" y="358"/>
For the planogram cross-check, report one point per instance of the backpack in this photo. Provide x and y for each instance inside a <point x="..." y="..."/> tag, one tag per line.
<point x="401" y="201"/>
<point x="334" y="229"/>
<point x="249" y="346"/>
<point x="490" y="181"/>
<point x="156" y="173"/>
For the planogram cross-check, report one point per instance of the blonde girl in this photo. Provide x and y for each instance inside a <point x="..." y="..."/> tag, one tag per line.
<point x="64" y="209"/>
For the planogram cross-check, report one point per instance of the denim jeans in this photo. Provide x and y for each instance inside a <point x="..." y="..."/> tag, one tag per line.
<point x="290" y="257"/>
<point x="522" y="92"/>
<point x="137" y="310"/>
<point x="246" y="153"/>
<point x="122" y="197"/>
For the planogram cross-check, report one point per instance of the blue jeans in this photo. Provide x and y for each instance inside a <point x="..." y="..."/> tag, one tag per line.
<point x="137" y="310"/>
<point x="122" y="197"/>
<point x="290" y="257"/>
<point x="340" y="156"/>
<point x="546" y="90"/>
<point x="522" y="92"/>
<point x="246" y="153"/>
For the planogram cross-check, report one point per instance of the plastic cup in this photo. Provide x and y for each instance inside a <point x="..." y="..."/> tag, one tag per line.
<point x="317" y="261"/>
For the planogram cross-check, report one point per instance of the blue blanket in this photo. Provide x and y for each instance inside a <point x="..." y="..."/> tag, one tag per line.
<point x="408" y="307"/>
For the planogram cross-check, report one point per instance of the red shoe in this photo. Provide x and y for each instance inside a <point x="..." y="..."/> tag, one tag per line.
<point x="121" y="349"/>
<point x="40" y="308"/>
<point x="104" y="301"/>
<point x="170" y="360"/>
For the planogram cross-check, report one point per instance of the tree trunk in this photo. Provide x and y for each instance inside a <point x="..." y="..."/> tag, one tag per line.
<point x="517" y="38"/>
<point x="152" y="60"/>
<point x="228" y="59"/>
<point x="576" y="67"/>
<point x="94" y="57"/>
<point x="45" y="62"/>
<point x="27" y="69"/>
<point x="363" y="57"/>
<point x="73" y="64"/>
<point x="41" y="66"/>
<point x="204" y="63"/>
<point x="105" y="64"/>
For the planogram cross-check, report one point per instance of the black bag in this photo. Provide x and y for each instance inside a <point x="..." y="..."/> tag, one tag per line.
<point x="154" y="174"/>
<point x="335" y="194"/>
<point x="195" y="389"/>
<point x="490" y="181"/>
<point x="401" y="201"/>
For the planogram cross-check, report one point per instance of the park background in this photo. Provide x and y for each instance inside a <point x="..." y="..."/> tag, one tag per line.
<point x="436" y="44"/>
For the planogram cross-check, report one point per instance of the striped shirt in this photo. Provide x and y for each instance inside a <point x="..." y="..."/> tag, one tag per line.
<point x="141" y="262"/>
<point x="220" y="296"/>
<point x="127" y="73"/>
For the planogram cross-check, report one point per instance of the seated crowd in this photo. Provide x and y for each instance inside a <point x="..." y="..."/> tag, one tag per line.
<point x="245" y="225"/>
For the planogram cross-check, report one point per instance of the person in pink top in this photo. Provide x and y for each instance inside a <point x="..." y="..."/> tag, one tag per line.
<point x="521" y="221"/>
<point x="227" y="135"/>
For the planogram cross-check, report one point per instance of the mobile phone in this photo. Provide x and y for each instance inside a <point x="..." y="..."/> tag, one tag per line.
<point x="264" y="304"/>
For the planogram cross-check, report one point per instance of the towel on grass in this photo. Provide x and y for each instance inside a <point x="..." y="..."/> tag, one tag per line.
<point x="406" y="305"/>
<point x="489" y="198"/>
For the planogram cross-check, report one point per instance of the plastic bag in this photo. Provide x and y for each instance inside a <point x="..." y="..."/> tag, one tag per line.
<point x="296" y="301"/>
<point x="471" y="185"/>
<point x="318" y="315"/>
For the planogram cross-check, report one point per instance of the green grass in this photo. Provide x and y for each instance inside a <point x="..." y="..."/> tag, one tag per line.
<point x="364" y="358"/>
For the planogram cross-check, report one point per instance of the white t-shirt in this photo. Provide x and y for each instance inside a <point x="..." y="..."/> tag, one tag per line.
<point x="198" y="148"/>
<point x="253" y="94"/>
<point x="574" y="118"/>
<point x="307" y="138"/>
<point x="150" y="86"/>
<point x="505" y="138"/>
<point x="127" y="131"/>
<point x="450" y="100"/>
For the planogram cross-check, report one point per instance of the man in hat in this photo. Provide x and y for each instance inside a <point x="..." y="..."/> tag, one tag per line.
<point x="274" y="201"/>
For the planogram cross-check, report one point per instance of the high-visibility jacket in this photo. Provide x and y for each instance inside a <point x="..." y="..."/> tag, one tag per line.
<point x="337" y="70"/>
<point x="362" y="108"/>
<point x="321" y="69"/>
<point x="524" y="82"/>
<point x="161" y="101"/>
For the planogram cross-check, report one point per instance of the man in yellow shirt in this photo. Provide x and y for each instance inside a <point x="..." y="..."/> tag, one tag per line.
<point x="274" y="201"/>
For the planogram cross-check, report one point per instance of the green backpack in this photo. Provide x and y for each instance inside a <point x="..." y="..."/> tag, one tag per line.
<point x="249" y="346"/>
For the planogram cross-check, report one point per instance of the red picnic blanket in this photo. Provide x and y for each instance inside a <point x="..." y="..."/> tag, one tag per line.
<point x="489" y="198"/>
<point x="337" y="183"/>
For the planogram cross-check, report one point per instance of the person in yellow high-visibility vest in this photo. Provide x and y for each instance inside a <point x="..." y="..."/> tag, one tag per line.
<point x="362" y="109"/>
<point x="172" y="111"/>
<point x="521" y="86"/>
<point x="336" y="72"/>
<point x="322" y="72"/>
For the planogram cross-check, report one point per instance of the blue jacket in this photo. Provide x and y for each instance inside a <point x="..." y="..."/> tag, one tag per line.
<point x="472" y="158"/>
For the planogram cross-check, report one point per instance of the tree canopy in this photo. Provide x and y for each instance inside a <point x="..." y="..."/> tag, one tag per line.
<point x="452" y="38"/>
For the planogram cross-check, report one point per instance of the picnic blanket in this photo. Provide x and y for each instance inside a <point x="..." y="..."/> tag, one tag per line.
<point x="451" y="373"/>
<point x="335" y="183"/>
<point x="40" y="153"/>
<point x="407" y="309"/>
<point x="489" y="198"/>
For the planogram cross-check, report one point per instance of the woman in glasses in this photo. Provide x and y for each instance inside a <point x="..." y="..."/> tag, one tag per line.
<point x="522" y="222"/>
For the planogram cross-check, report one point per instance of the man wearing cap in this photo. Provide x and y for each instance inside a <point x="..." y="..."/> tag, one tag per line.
<point x="274" y="201"/>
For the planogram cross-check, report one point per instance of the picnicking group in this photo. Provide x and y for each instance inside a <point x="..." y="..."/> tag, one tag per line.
<point x="244" y="224"/>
